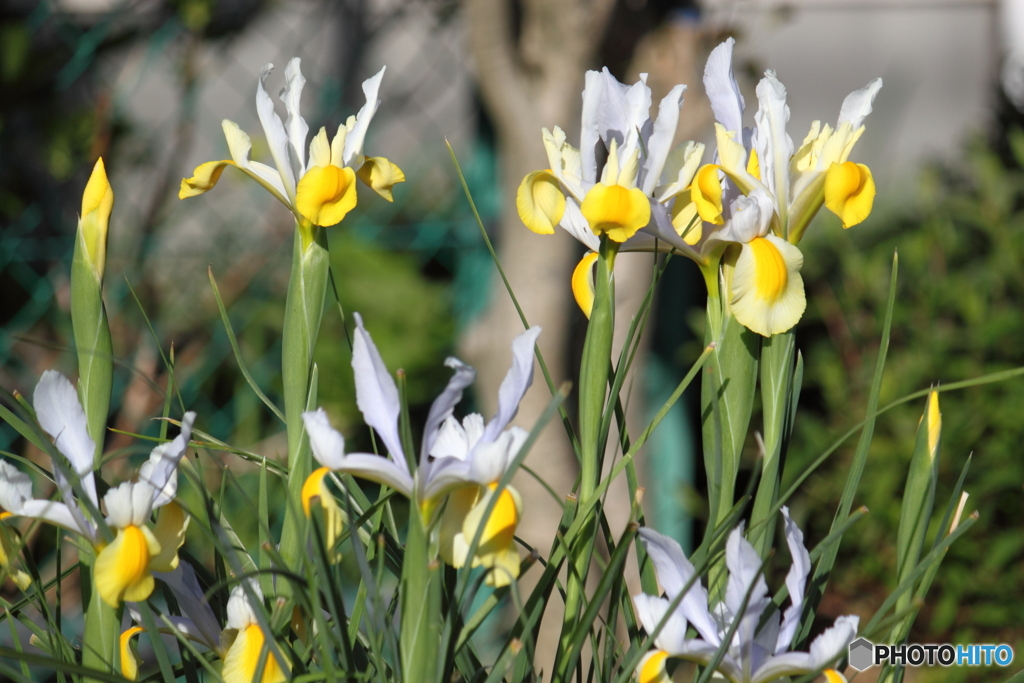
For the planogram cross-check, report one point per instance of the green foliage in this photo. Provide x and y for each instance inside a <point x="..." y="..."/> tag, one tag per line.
<point x="961" y="246"/>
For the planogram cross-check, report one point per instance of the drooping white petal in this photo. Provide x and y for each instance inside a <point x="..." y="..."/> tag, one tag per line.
<point x="772" y="142"/>
<point x="659" y="145"/>
<point x="516" y="382"/>
<point x="240" y="146"/>
<point x="357" y="136"/>
<point x="590" y="129"/>
<point x="274" y="130"/>
<point x="61" y="416"/>
<point x="379" y="469"/>
<point x="833" y="640"/>
<point x="15" y="488"/>
<point x="857" y="104"/>
<point x="796" y="581"/>
<point x="376" y="393"/>
<point x="161" y="470"/>
<point x="442" y="407"/>
<point x="296" y="126"/>
<point x="722" y="89"/>
<point x="65" y="516"/>
<point x="651" y="610"/>
<point x="674" y="572"/>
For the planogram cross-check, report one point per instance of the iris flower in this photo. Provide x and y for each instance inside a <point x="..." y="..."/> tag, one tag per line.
<point x="240" y="645"/>
<point x="630" y="197"/>
<point x="123" y="569"/>
<point x="319" y="190"/>
<point x="465" y="460"/>
<point x="752" y="655"/>
<point x="761" y="193"/>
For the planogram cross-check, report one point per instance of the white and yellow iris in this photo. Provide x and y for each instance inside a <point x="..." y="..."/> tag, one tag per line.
<point x="639" y="198"/>
<point x="321" y="191"/>
<point x="460" y="465"/>
<point x="249" y="648"/>
<point x="124" y="568"/>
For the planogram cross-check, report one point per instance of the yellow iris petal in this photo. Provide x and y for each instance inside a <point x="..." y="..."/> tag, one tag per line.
<point x="315" y="486"/>
<point x="325" y="194"/>
<point x="122" y="568"/>
<point x="243" y="657"/>
<point x="540" y="202"/>
<point x="652" y="668"/>
<point x="583" y="282"/>
<point x="849" y="192"/>
<point x="171" y="524"/>
<point x="686" y="221"/>
<point x="381" y="175"/>
<point x="833" y="676"/>
<point x="616" y="211"/>
<point x="129" y="662"/>
<point x="203" y="178"/>
<point x="766" y="290"/>
<point x="453" y="545"/>
<point x="496" y="549"/>
<point x="706" y="194"/>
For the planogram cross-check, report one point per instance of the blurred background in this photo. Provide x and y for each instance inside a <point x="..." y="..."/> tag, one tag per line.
<point x="146" y="83"/>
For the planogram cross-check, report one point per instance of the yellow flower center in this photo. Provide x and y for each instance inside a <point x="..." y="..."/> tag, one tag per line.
<point x="122" y="568"/>
<point x="616" y="210"/>
<point x="326" y="194"/>
<point x="771" y="273"/>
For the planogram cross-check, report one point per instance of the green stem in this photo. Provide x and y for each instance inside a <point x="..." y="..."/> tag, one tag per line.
<point x="420" y="604"/>
<point x="102" y="629"/>
<point x="304" y="305"/>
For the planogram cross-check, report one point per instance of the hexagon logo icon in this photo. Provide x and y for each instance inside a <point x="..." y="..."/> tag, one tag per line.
<point x="862" y="654"/>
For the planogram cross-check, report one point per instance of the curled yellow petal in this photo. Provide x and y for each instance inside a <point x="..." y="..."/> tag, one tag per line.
<point x="616" y="211"/>
<point x="97" y="203"/>
<point x="129" y="662"/>
<point x="540" y="202"/>
<point x="766" y="290"/>
<point x="583" y="282"/>
<point x="652" y="668"/>
<point x="203" y="178"/>
<point x="122" y="568"/>
<point x="381" y="175"/>
<point x="849" y="192"/>
<point x="171" y="524"/>
<point x="243" y="658"/>
<point x="706" y="194"/>
<point x="326" y="194"/>
<point x="315" y="486"/>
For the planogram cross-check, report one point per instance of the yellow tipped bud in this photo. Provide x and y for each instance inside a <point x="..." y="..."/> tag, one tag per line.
<point x="934" y="423"/>
<point x="706" y="193"/>
<point x="849" y="192"/>
<point x="326" y="194"/>
<point x="540" y="202"/>
<point x="616" y="211"/>
<point x="583" y="283"/>
<point x="380" y="175"/>
<point x="97" y="203"/>
<point x="129" y="662"/>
